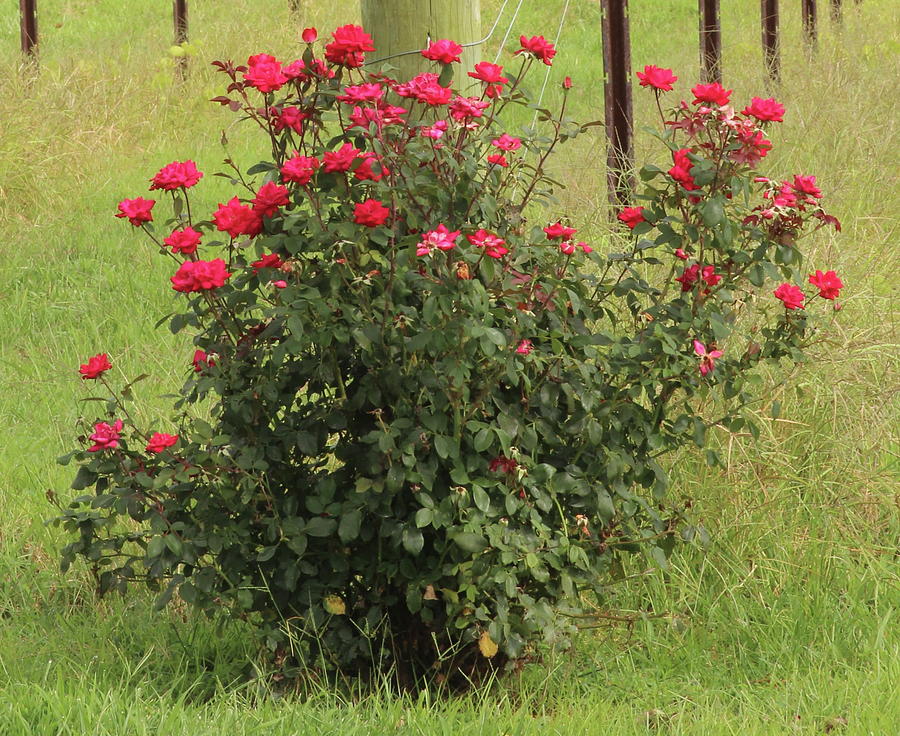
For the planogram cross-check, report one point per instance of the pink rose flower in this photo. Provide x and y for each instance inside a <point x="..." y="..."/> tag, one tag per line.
<point x="491" y="75"/>
<point x="176" y="175"/>
<point x="200" y="276"/>
<point x="654" y="76"/>
<point x="289" y="117"/>
<point x="467" y="108"/>
<point x="440" y="238"/>
<point x="237" y="219"/>
<point x="299" y="169"/>
<point x="159" y="441"/>
<point x="264" y="73"/>
<point x="137" y="210"/>
<point x="443" y="51"/>
<point x="828" y="284"/>
<point x="506" y="142"/>
<point x="183" y="241"/>
<point x="99" y="364"/>
<point x="349" y="46"/>
<point x="269" y="198"/>
<point x="806" y="185"/>
<point x="765" y="110"/>
<point x="105" y="436"/>
<point x="370" y="213"/>
<point x="713" y="93"/>
<point x="359" y="94"/>
<point x="791" y="295"/>
<point x="524" y="347"/>
<point x="494" y="246"/>
<point x="707" y="358"/>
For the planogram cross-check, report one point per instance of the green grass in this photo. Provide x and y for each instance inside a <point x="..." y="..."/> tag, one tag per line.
<point x="787" y="624"/>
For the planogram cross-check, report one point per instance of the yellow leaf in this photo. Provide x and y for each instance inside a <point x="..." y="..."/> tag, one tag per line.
<point x="487" y="645"/>
<point x="335" y="605"/>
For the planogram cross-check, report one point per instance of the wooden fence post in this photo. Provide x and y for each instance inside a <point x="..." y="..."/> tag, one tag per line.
<point x="617" y="98"/>
<point x="837" y="14"/>
<point x="294" y="5"/>
<point x="769" y="13"/>
<point x="710" y="41"/>
<point x="404" y="26"/>
<point x="180" y="15"/>
<point x="810" y="33"/>
<point x="28" y="26"/>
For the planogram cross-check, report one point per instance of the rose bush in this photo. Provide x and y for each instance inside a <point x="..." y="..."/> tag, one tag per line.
<point x="422" y="421"/>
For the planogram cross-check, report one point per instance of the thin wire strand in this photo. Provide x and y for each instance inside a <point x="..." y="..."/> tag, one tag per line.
<point x="464" y="45"/>
<point x="508" y="31"/>
<point x="562" y="20"/>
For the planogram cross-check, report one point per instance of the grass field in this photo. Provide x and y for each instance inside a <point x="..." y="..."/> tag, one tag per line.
<point x="788" y="624"/>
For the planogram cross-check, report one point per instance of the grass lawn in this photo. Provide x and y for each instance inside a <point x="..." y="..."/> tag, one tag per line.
<point x="789" y="623"/>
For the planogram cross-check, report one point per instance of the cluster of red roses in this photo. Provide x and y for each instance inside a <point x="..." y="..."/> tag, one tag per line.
<point x="712" y="126"/>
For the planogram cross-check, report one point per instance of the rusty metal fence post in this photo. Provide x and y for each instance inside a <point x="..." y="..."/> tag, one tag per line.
<point x="710" y="41"/>
<point x="769" y="14"/>
<point x="617" y="98"/>
<point x="810" y="32"/>
<point x="28" y="26"/>
<point x="180" y="15"/>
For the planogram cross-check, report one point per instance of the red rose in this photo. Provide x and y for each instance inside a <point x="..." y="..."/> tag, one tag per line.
<point x="444" y="51"/>
<point x="631" y="216"/>
<point x="264" y="73"/>
<point x="269" y="260"/>
<point x="558" y="231"/>
<point x="507" y="142"/>
<point x="105" y="436"/>
<point x="498" y="159"/>
<point x="159" y="441"/>
<point x="340" y="160"/>
<point x="713" y="93"/>
<point x="176" y="175"/>
<point x="539" y="47"/>
<point x="681" y="171"/>
<point x="494" y="247"/>
<point x="806" y="185"/>
<point x="202" y="361"/>
<point x="828" y="284"/>
<point x="764" y="110"/>
<point x="490" y="74"/>
<point x="269" y="198"/>
<point x="364" y="172"/>
<point x="309" y="35"/>
<point x="137" y="210"/>
<point x="99" y="364"/>
<point x="348" y="47"/>
<point x="466" y="108"/>
<point x="502" y="463"/>
<point x="200" y="276"/>
<point x="237" y="219"/>
<point x="299" y="169"/>
<point x="370" y="213"/>
<point x="290" y="117"/>
<point x="425" y="88"/>
<point x="791" y="295"/>
<point x="183" y="241"/>
<point x="654" y="76"/>
<point x="359" y="94"/>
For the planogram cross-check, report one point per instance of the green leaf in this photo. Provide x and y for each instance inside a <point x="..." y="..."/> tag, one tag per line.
<point x="412" y="539"/>
<point x="482" y="500"/>
<point x="445" y="446"/>
<point x="348" y="529"/>
<point x="424" y="517"/>
<point x="470" y="542"/>
<point x="712" y="212"/>
<point x="320" y="526"/>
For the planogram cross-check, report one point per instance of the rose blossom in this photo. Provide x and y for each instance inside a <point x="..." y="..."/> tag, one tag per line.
<point x="290" y="117"/>
<point x="765" y="110"/>
<point x="466" y="108"/>
<point x="361" y="93"/>
<point x="444" y="51"/>
<point x="539" y="47"/>
<point x="137" y="210"/>
<point x="558" y="231"/>
<point x="268" y="260"/>
<point x="806" y="185"/>
<point x="490" y="74"/>
<point x="159" y="441"/>
<point x="631" y="216"/>
<point x="200" y="276"/>
<point x="713" y="93"/>
<point x="237" y="219"/>
<point x="498" y="159"/>
<point x="440" y="238"/>
<point x="791" y="295"/>
<point x="501" y="463"/>
<point x="105" y="436"/>
<point x="494" y="246"/>
<point x="506" y="142"/>
<point x="269" y="198"/>
<point x="99" y="364"/>
<point x="202" y="360"/>
<point x="264" y="73"/>
<point x="524" y="347"/>
<point x="348" y="47"/>
<point x="299" y="169"/>
<point x="707" y="358"/>
<point x="370" y="213"/>
<point x="828" y="284"/>
<point x="176" y="175"/>
<point x="681" y="171"/>
<point x="435" y="131"/>
<point x="656" y="77"/>
<point x="340" y="160"/>
<point x="183" y="241"/>
<point x="309" y="35"/>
